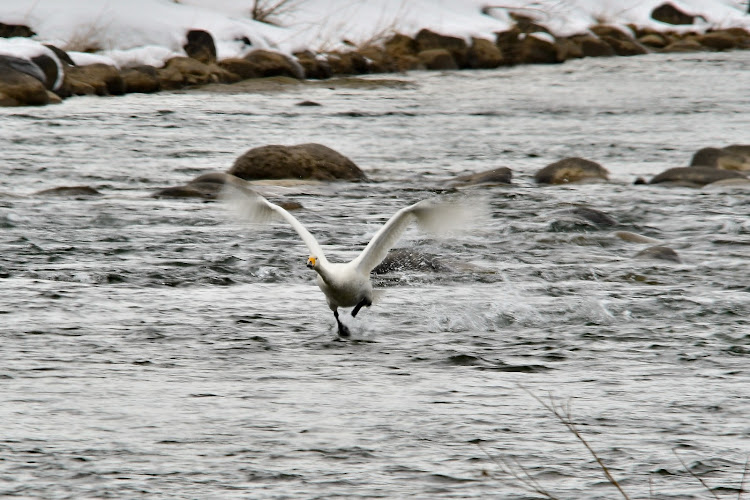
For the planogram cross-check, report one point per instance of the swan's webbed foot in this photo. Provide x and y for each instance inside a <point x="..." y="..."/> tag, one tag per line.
<point x="362" y="303"/>
<point x="343" y="330"/>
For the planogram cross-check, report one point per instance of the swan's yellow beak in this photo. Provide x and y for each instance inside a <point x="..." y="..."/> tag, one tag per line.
<point x="311" y="262"/>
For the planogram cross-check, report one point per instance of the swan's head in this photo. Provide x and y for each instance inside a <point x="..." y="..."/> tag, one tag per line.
<point x="312" y="262"/>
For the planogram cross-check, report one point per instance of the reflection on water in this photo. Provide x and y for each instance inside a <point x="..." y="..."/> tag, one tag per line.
<point x="158" y="348"/>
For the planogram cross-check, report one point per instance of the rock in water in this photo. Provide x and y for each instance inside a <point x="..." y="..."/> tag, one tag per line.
<point x="303" y="161"/>
<point x="571" y="170"/>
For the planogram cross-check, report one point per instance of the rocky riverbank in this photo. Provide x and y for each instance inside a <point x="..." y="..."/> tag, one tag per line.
<point x="39" y="73"/>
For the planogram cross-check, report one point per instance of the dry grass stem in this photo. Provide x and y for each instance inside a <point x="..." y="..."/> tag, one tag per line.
<point x="563" y="414"/>
<point x="524" y="478"/>
<point x="708" y="488"/>
<point x="744" y="471"/>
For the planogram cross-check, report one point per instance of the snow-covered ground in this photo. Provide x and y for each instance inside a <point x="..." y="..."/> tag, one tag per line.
<point x="151" y="31"/>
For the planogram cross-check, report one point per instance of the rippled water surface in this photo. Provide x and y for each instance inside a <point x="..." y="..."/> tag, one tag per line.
<point x="158" y="348"/>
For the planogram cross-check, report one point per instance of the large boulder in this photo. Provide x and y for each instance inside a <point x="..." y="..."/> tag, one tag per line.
<point x="270" y="63"/>
<point x="500" y="175"/>
<point x="181" y="72"/>
<point x="19" y="88"/>
<point x="104" y="79"/>
<point x="141" y="79"/>
<point x="484" y="54"/>
<point x="571" y="170"/>
<point x="401" y="52"/>
<point x="437" y="59"/>
<point x="15" y="30"/>
<point x="200" y="45"/>
<point x="735" y="157"/>
<point x="724" y="39"/>
<point x="348" y="63"/>
<point x="429" y="40"/>
<point x="693" y="176"/>
<point x="659" y="253"/>
<point x="622" y="43"/>
<point x="537" y="48"/>
<point x="303" y="161"/>
<point x="592" y="46"/>
<point x="668" y="13"/>
<point x="243" y="68"/>
<point x="316" y="68"/>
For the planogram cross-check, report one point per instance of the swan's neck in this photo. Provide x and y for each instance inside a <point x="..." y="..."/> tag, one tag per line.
<point x="323" y="272"/>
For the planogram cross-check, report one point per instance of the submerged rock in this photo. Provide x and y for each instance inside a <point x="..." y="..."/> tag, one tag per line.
<point x="500" y="175"/>
<point x="735" y="157"/>
<point x="69" y="191"/>
<point x="206" y="186"/>
<point x="408" y="259"/>
<point x="581" y="218"/>
<point x="694" y="176"/>
<point x="303" y="161"/>
<point x="635" y="237"/>
<point x="571" y="170"/>
<point x="659" y="253"/>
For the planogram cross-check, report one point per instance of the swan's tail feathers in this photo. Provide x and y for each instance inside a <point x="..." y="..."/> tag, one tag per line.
<point x="247" y="205"/>
<point x="442" y="217"/>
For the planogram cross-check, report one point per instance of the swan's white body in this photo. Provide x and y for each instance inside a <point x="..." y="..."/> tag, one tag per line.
<point x="348" y="284"/>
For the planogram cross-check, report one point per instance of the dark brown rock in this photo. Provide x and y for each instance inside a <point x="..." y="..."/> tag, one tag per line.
<point x="592" y="46"/>
<point x="484" y="54"/>
<point x="527" y="24"/>
<point x="687" y="45"/>
<point x="315" y="67"/>
<point x="571" y="170"/>
<point x="429" y="40"/>
<point x="625" y="47"/>
<point x="69" y="191"/>
<point x="104" y="79"/>
<point x="141" y="79"/>
<point x="668" y="13"/>
<point x="15" y="30"/>
<point x="200" y="45"/>
<point x="303" y="161"/>
<point x="408" y="259"/>
<point x="653" y="40"/>
<point x="348" y="63"/>
<point x="537" y="50"/>
<point x="500" y="175"/>
<point x="181" y="72"/>
<point x="437" y="59"/>
<point x="18" y="88"/>
<point x="729" y="158"/>
<point x="50" y="69"/>
<point x="270" y="63"/>
<point x="719" y="40"/>
<point x="659" y="253"/>
<point x="694" y="176"/>
<point x="509" y="43"/>
<point x="243" y="68"/>
<point x="401" y="45"/>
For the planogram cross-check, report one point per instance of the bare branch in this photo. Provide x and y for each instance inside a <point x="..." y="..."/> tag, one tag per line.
<point x="744" y="471"/>
<point x="564" y="416"/>
<point x="708" y="488"/>
<point x="525" y="479"/>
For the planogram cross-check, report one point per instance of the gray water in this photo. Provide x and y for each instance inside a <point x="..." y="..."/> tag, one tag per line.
<point x="157" y="348"/>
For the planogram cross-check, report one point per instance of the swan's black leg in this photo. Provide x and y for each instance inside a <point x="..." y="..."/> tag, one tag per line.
<point x="343" y="330"/>
<point x="362" y="303"/>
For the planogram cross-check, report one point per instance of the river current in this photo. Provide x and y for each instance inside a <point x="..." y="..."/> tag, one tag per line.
<point x="158" y="348"/>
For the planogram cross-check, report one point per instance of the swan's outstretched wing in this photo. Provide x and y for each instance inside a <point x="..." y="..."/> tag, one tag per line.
<point x="434" y="216"/>
<point x="252" y="207"/>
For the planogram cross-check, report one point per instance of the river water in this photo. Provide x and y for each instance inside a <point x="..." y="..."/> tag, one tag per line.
<point x="156" y="348"/>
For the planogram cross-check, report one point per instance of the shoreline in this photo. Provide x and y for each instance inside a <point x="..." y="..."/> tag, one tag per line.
<point x="52" y="76"/>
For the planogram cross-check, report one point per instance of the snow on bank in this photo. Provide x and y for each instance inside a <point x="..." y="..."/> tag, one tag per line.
<point x="151" y="31"/>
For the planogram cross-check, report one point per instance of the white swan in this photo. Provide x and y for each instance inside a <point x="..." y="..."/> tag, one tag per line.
<point x="348" y="284"/>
